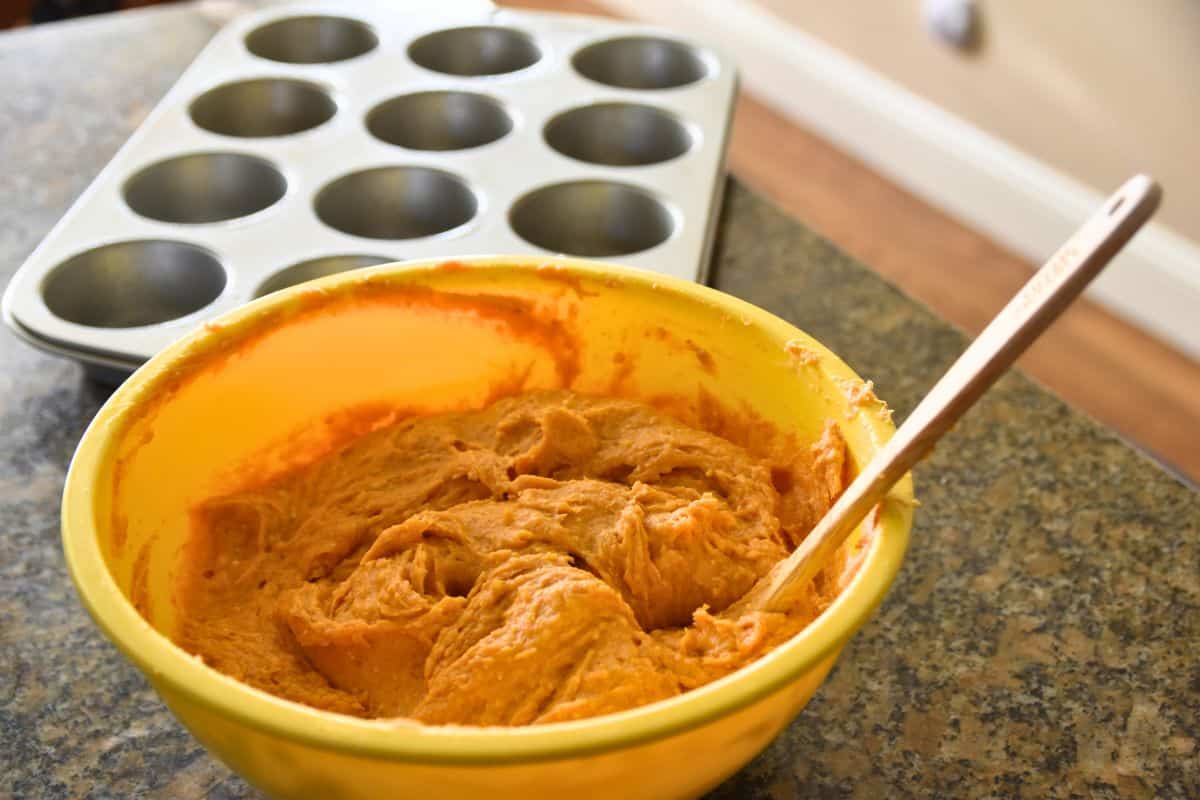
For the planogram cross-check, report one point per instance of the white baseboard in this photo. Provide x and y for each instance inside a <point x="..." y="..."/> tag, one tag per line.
<point x="1019" y="201"/>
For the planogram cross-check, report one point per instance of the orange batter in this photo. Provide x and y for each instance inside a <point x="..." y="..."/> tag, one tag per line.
<point x="551" y="557"/>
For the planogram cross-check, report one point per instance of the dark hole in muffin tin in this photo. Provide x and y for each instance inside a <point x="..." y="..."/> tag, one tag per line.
<point x="127" y="284"/>
<point x="263" y="107"/>
<point x="312" y="40"/>
<point x="641" y="62"/>
<point x="618" y="134"/>
<point x="439" y="120"/>
<point x="316" y="268"/>
<point x="401" y="202"/>
<point x="205" y="187"/>
<point x="475" y="51"/>
<point x="592" y="218"/>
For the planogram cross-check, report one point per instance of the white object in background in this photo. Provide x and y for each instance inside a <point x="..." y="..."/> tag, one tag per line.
<point x="955" y="22"/>
<point x="1018" y="200"/>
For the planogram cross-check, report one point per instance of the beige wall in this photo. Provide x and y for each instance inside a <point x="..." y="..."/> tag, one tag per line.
<point x="1097" y="88"/>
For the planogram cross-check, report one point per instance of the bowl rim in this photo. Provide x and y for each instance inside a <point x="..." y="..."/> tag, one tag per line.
<point x="174" y="671"/>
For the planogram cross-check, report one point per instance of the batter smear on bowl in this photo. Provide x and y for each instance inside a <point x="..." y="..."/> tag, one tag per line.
<point x="551" y="557"/>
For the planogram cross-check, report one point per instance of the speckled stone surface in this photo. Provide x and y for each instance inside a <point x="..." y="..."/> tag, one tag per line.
<point x="1042" y="641"/>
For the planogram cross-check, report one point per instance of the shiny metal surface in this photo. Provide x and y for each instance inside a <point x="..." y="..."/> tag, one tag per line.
<point x="263" y="107"/>
<point x="312" y="40"/>
<point x="205" y="187"/>
<point x="475" y="50"/>
<point x="316" y="268"/>
<point x="134" y="283"/>
<point x="641" y="62"/>
<point x="618" y="134"/>
<point x="439" y="121"/>
<point x="396" y="203"/>
<point x="592" y="218"/>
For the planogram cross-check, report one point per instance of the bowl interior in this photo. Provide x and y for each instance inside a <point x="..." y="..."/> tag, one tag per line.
<point x="283" y="380"/>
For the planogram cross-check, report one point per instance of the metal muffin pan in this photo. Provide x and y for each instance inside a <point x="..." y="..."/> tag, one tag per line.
<point x="314" y="137"/>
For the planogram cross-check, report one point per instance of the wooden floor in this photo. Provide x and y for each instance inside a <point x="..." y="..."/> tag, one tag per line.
<point x="1145" y="390"/>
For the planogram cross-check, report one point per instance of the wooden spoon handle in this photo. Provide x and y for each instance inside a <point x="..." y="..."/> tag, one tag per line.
<point x="1040" y="301"/>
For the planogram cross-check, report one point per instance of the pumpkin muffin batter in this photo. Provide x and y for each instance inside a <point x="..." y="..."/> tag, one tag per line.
<point x="551" y="557"/>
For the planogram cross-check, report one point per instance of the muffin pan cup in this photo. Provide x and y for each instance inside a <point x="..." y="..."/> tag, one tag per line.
<point x="312" y="137"/>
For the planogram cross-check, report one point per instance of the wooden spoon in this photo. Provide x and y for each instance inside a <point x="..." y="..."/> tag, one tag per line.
<point x="1040" y="301"/>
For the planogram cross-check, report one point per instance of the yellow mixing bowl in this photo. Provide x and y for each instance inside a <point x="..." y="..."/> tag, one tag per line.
<point x="422" y="335"/>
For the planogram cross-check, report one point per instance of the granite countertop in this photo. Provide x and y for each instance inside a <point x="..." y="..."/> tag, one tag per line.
<point x="1043" y="639"/>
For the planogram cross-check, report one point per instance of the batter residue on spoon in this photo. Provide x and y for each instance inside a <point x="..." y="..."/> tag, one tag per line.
<point x="551" y="557"/>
